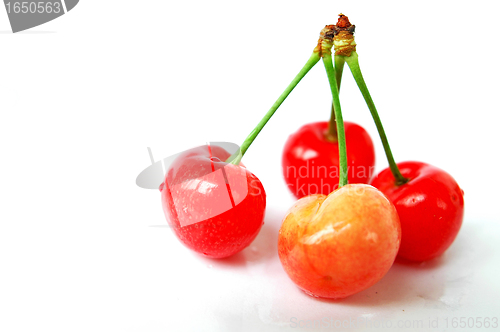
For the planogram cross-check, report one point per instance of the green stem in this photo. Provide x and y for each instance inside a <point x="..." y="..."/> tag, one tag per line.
<point x="339" y="69"/>
<point x="330" y="71"/>
<point x="332" y="135"/>
<point x="353" y="63"/>
<point x="236" y="158"/>
<point x="332" y="126"/>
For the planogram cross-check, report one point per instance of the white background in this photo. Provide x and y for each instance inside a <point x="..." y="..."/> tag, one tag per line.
<point x="82" y="248"/>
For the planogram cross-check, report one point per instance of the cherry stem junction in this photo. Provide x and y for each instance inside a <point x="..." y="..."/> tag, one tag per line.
<point x="236" y="158"/>
<point x="352" y="62"/>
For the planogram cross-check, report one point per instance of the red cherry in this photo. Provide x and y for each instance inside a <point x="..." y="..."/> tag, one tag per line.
<point x="214" y="208"/>
<point x="430" y="207"/>
<point x="311" y="162"/>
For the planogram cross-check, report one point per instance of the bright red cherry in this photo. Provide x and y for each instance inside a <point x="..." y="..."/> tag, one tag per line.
<point x="214" y="208"/>
<point x="311" y="162"/>
<point x="430" y="207"/>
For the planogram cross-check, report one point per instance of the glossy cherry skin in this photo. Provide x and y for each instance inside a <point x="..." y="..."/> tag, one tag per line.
<point x="430" y="207"/>
<point x="337" y="245"/>
<point x="311" y="162"/>
<point x="214" y="208"/>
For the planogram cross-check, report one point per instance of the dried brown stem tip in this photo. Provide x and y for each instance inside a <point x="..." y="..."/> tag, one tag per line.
<point x="343" y="42"/>
<point x="325" y="42"/>
<point x="326" y="35"/>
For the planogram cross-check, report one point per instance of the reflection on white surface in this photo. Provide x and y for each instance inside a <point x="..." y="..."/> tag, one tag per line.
<point x="416" y="294"/>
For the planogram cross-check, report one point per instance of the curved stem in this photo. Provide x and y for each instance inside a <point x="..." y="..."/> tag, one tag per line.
<point x="330" y="71"/>
<point x="353" y="63"/>
<point x="332" y="126"/>
<point x="236" y="158"/>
